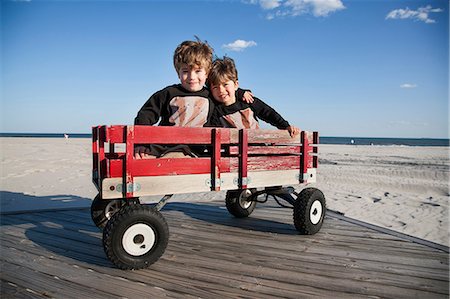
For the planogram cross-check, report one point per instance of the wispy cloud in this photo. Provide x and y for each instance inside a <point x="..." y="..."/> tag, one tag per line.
<point x="421" y="14"/>
<point x="408" y="85"/>
<point x="293" y="8"/>
<point x="269" y="4"/>
<point x="239" y="45"/>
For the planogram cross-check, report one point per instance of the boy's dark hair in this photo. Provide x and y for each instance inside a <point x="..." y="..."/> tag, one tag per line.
<point x="222" y="70"/>
<point x="193" y="53"/>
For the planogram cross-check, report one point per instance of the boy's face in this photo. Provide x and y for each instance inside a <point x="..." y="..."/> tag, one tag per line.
<point x="225" y="92"/>
<point x="192" y="78"/>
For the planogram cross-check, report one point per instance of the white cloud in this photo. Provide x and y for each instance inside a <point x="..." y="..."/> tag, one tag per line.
<point x="421" y="14"/>
<point x="408" y="85"/>
<point x="319" y="8"/>
<point x="293" y="8"/>
<point x="239" y="45"/>
<point x="269" y="4"/>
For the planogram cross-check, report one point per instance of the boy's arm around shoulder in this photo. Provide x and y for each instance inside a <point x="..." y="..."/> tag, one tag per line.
<point x="271" y="116"/>
<point x="244" y="95"/>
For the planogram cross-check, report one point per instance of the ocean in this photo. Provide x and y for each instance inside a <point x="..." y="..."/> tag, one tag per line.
<point x="323" y="140"/>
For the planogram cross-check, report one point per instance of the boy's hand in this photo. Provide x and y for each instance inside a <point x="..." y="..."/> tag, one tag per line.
<point x="293" y="131"/>
<point x="248" y="97"/>
<point x="141" y="152"/>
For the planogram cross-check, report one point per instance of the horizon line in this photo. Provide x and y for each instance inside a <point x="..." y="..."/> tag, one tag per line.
<point x="320" y="136"/>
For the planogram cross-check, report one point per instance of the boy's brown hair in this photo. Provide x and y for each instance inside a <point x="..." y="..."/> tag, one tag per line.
<point x="222" y="70"/>
<point x="193" y="53"/>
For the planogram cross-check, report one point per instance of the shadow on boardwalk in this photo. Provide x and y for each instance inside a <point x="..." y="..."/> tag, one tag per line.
<point x="54" y="226"/>
<point x="56" y="229"/>
<point x="219" y="215"/>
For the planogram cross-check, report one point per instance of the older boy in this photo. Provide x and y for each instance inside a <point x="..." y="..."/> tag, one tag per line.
<point x="223" y="81"/>
<point x="188" y="104"/>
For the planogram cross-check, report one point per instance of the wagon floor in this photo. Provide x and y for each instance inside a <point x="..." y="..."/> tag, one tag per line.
<point x="59" y="254"/>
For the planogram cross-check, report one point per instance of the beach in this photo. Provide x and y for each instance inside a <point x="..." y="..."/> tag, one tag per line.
<point x="403" y="188"/>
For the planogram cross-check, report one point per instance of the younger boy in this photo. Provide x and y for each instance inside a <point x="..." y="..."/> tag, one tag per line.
<point x="188" y="104"/>
<point x="223" y="82"/>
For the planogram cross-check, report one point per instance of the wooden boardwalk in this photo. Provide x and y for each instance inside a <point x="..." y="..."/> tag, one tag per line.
<point x="59" y="254"/>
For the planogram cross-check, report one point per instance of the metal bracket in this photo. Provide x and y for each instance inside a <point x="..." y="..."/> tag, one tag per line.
<point x="218" y="182"/>
<point x="310" y="176"/>
<point x="245" y="181"/>
<point x="130" y="187"/>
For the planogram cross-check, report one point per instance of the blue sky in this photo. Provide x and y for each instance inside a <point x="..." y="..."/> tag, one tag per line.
<point x="345" y="68"/>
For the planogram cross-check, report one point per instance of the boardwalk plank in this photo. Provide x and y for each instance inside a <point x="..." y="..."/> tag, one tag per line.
<point x="211" y="254"/>
<point x="76" y="277"/>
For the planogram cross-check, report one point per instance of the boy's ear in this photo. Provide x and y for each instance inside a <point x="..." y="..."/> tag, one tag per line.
<point x="237" y="84"/>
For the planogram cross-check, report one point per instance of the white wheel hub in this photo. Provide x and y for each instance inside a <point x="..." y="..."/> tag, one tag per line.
<point x="243" y="199"/>
<point x="138" y="239"/>
<point x="315" y="213"/>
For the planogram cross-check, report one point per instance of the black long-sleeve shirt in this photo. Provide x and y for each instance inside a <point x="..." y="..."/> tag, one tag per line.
<point x="245" y="116"/>
<point x="176" y="106"/>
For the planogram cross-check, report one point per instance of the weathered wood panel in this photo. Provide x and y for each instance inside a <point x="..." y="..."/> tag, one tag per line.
<point x="211" y="254"/>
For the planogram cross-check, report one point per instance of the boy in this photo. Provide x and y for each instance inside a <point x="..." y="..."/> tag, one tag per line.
<point x="223" y="82"/>
<point x="188" y="104"/>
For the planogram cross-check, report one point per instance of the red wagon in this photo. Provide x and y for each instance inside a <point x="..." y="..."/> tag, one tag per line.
<point x="249" y="164"/>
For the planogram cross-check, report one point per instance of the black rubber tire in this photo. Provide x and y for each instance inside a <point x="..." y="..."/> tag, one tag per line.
<point x="309" y="211"/>
<point x="135" y="237"/>
<point x="236" y="204"/>
<point x="103" y="209"/>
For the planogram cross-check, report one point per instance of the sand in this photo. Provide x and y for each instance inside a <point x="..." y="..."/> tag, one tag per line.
<point x="402" y="188"/>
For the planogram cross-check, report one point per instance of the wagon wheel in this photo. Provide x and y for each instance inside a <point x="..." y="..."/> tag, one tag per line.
<point x="238" y="203"/>
<point x="135" y="237"/>
<point x="103" y="209"/>
<point x="309" y="211"/>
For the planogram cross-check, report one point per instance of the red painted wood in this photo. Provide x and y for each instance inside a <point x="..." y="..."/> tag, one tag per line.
<point x="181" y="166"/>
<point x="268" y="150"/>
<point x="102" y="161"/>
<point x="117" y="134"/>
<point x="116" y="168"/>
<point x="215" y="167"/>
<point x="307" y="159"/>
<point x="267" y="163"/>
<point x="271" y="136"/>
<point x="129" y="157"/>
<point x="169" y="135"/>
<point x="171" y="166"/>
<point x="243" y="156"/>
<point x="95" y="172"/>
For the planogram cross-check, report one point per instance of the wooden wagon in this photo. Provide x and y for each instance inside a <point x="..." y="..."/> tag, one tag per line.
<point x="250" y="164"/>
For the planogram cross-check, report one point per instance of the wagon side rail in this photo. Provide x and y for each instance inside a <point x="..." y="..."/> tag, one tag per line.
<point x="237" y="158"/>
